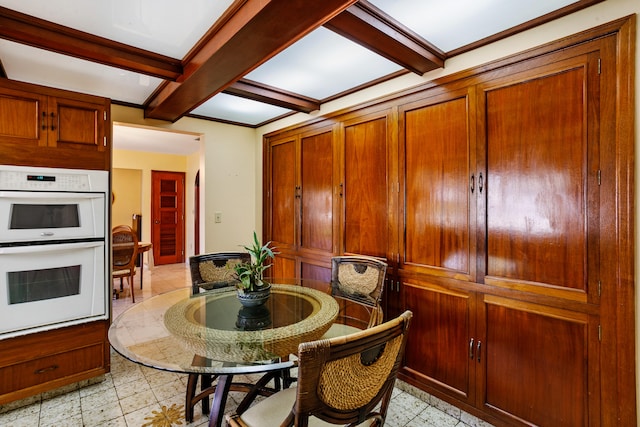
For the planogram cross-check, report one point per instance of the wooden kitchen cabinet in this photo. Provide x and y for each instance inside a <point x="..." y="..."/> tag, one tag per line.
<point x="39" y="362"/>
<point x="300" y="209"/>
<point x="499" y="199"/>
<point x="41" y="126"/>
<point x="47" y="127"/>
<point x="501" y="250"/>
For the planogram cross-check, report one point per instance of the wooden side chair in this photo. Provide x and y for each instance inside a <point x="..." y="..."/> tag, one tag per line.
<point x="124" y="253"/>
<point x="345" y="380"/>
<point x="356" y="283"/>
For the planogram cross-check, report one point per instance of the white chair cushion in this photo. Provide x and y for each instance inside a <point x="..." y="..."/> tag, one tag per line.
<point x="338" y="330"/>
<point x="273" y="410"/>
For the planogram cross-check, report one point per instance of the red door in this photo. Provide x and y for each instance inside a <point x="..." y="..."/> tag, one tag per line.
<point x="167" y="212"/>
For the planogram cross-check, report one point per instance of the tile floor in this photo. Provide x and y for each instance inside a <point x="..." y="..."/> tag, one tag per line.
<point x="135" y="396"/>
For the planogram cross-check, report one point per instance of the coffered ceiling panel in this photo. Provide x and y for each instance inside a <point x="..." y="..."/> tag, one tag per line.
<point x="246" y="62"/>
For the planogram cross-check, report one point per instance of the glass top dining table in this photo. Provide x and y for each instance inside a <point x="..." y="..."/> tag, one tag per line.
<point x="212" y="333"/>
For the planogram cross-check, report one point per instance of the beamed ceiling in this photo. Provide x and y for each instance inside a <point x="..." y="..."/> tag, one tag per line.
<point x="246" y="62"/>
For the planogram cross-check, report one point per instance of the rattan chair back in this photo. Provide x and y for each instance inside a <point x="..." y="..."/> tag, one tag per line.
<point x="214" y="270"/>
<point x="357" y="283"/>
<point x="346" y="380"/>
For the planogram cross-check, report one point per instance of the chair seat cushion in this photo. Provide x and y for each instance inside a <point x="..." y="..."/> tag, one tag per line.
<point x="339" y="329"/>
<point x="273" y="410"/>
<point x="123" y="273"/>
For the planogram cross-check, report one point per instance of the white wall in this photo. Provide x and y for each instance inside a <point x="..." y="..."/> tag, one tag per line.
<point x="227" y="163"/>
<point x="593" y="16"/>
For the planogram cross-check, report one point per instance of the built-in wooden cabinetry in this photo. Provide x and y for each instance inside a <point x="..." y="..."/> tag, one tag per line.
<point x="41" y="126"/>
<point x="40" y="362"/>
<point x="47" y="127"/>
<point x="500" y="197"/>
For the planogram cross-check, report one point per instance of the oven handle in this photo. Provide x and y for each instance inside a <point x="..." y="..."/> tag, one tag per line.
<point x="29" y="249"/>
<point x="49" y="195"/>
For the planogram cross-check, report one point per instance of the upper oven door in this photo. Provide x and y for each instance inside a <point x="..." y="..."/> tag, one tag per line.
<point x="30" y="216"/>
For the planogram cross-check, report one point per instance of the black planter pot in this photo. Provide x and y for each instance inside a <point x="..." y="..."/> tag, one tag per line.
<point x="254" y="298"/>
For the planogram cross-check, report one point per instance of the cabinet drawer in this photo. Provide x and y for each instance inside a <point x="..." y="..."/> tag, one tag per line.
<point x="50" y="368"/>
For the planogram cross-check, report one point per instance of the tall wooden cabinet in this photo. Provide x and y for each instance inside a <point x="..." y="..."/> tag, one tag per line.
<point x="302" y="204"/>
<point x="47" y="127"/>
<point x="496" y="196"/>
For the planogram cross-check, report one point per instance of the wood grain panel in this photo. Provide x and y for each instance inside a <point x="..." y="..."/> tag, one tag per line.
<point x="536" y="180"/>
<point x="436" y="179"/>
<point x="77" y="124"/>
<point x="20" y="118"/>
<point x="39" y="362"/>
<point x="315" y="272"/>
<point x="283" y="182"/>
<point x="534" y="374"/>
<point x="283" y="266"/>
<point x="316" y="226"/>
<point x="438" y="345"/>
<point x="365" y="189"/>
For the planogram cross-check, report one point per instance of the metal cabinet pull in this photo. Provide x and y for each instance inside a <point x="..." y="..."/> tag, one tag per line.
<point x="473" y="183"/>
<point x="47" y="369"/>
<point x="43" y="123"/>
<point x="478" y="349"/>
<point x="480" y="183"/>
<point x="53" y="121"/>
<point x="471" y="349"/>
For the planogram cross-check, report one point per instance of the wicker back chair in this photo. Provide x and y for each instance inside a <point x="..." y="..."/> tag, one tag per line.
<point x="210" y="271"/>
<point x="124" y="253"/>
<point x="214" y="270"/>
<point x="345" y="380"/>
<point x="357" y="283"/>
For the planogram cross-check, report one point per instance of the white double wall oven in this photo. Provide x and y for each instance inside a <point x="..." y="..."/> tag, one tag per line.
<point x="53" y="248"/>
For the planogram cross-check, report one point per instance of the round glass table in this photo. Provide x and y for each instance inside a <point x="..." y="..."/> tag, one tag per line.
<point x="212" y="333"/>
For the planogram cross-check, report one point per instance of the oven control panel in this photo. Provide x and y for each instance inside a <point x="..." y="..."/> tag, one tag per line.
<point x="44" y="179"/>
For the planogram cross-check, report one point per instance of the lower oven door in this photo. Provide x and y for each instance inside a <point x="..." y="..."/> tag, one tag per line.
<point x="48" y="286"/>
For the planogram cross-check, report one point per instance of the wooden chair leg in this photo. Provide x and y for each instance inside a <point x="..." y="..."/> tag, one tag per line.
<point x="131" y="287"/>
<point x="191" y="398"/>
<point x="205" y="383"/>
<point x="192" y="383"/>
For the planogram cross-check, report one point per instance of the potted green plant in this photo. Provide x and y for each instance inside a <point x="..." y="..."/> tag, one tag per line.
<point x="252" y="289"/>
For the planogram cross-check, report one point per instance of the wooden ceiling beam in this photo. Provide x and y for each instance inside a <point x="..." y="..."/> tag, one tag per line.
<point x="35" y="32"/>
<point x="254" y="32"/>
<point x="270" y="95"/>
<point x="370" y="27"/>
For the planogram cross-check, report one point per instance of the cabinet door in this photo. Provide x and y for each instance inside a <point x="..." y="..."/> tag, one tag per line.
<point x="364" y="189"/>
<point x="537" y="361"/>
<point x="316" y="194"/>
<point x="76" y="124"/>
<point x="440" y="351"/>
<point x="437" y="185"/>
<point x="22" y="122"/>
<point x="282" y="194"/>
<point x="541" y="181"/>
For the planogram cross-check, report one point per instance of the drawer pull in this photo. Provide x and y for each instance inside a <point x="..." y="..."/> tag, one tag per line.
<point x="47" y="369"/>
